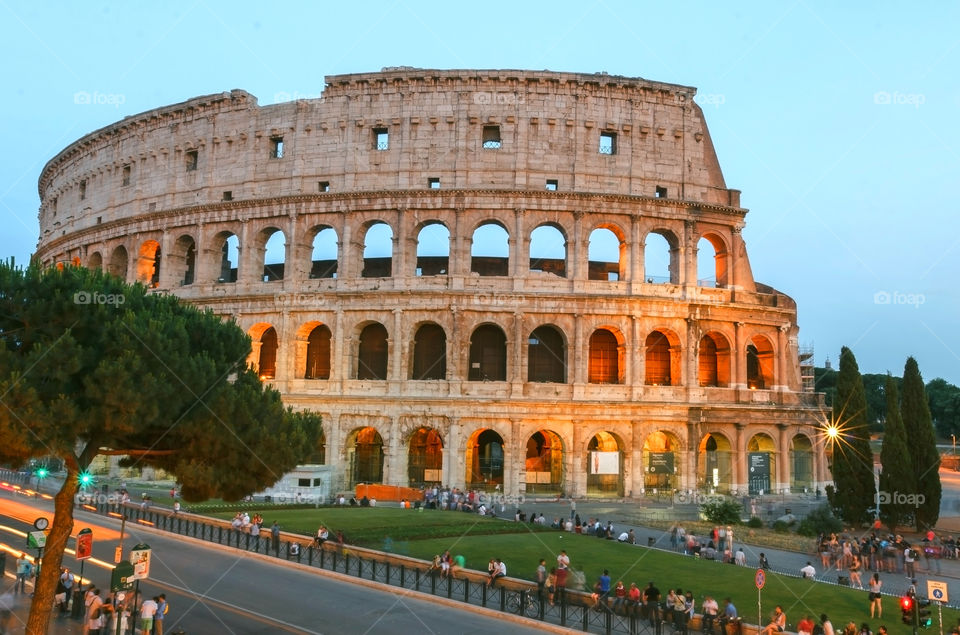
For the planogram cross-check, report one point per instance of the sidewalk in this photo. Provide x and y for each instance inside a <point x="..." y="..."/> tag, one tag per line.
<point x="21" y="608"/>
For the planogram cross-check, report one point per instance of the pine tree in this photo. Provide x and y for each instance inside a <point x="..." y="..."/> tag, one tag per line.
<point x="852" y="465"/>
<point x="897" y="475"/>
<point x="922" y="446"/>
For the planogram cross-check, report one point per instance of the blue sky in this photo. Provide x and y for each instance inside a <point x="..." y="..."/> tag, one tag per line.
<point x="838" y="121"/>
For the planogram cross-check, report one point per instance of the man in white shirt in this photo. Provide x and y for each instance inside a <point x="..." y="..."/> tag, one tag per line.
<point x="808" y="572"/>
<point x="148" y="611"/>
<point x="563" y="560"/>
<point x="741" y="558"/>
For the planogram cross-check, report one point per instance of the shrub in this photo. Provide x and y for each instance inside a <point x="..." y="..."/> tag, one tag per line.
<point x="820" y="521"/>
<point x="781" y="527"/>
<point x="754" y="522"/>
<point x="721" y="512"/>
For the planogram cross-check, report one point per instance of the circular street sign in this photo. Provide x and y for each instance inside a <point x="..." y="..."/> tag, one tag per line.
<point x="938" y="594"/>
<point x="41" y="523"/>
<point x="760" y="579"/>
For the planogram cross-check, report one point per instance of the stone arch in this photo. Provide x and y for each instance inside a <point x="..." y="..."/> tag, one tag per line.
<point x="663" y="359"/>
<point x="801" y="463"/>
<point x="544" y="462"/>
<point x="425" y="458"/>
<point x="377" y="250"/>
<point x="604" y="465"/>
<point x="760" y="363"/>
<point x="548" y="249"/>
<point x="372" y="352"/>
<point x="761" y="464"/>
<point x="606" y="357"/>
<point x="272" y="243"/>
<point x="490" y="249"/>
<point x="713" y="360"/>
<point x="429" y="352"/>
<point x="263" y="353"/>
<point x="364" y="449"/>
<point x="317" y="358"/>
<point x="324" y="251"/>
<point x="607" y="253"/>
<point x="225" y="256"/>
<point x="661" y="253"/>
<point x="547" y="355"/>
<point x="662" y="461"/>
<point x="484" y="459"/>
<point x="183" y="260"/>
<point x="433" y="249"/>
<point x="488" y="354"/>
<point x="95" y="261"/>
<point x="712" y="260"/>
<point x="119" y="262"/>
<point x="715" y="461"/>
<point x="148" y="264"/>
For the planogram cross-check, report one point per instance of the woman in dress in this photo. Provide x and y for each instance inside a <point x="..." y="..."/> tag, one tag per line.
<point x="876" y="603"/>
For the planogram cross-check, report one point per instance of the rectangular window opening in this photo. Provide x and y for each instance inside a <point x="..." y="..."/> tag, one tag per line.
<point x="53" y="205"/>
<point x="661" y="192"/>
<point x="434" y="182"/>
<point x="83" y="189"/>
<point x="381" y="139"/>
<point x="552" y="184"/>
<point x="608" y="142"/>
<point x="191" y="157"/>
<point x="303" y="482"/>
<point x="126" y="175"/>
<point x="276" y="147"/>
<point x="227" y="195"/>
<point x="323" y="186"/>
<point x="491" y="137"/>
<point x="99" y="219"/>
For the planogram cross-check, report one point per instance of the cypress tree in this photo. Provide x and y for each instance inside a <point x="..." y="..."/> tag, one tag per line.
<point x="922" y="445"/>
<point x="897" y="475"/>
<point x="854" y="493"/>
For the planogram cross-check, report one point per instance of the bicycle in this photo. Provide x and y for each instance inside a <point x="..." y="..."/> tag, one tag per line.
<point x="523" y="604"/>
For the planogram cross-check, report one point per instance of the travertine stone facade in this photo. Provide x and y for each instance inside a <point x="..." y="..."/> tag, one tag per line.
<point x="444" y="295"/>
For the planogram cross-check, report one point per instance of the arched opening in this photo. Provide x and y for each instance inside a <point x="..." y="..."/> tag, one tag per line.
<point x="711" y="261"/>
<point x="604" y="365"/>
<point x="604" y="466"/>
<point x="490" y="250"/>
<point x="318" y="353"/>
<point x="662" y="359"/>
<point x="378" y="251"/>
<point x="267" y="357"/>
<point x="548" y="250"/>
<point x="365" y="456"/>
<point x="429" y="353"/>
<point x="661" y="255"/>
<point x="95" y="261"/>
<point x="605" y="255"/>
<point x="425" y="458"/>
<point x="759" y="363"/>
<point x="227" y="247"/>
<point x="715" y="463"/>
<point x="274" y="254"/>
<point x="324" y="253"/>
<point x="118" y="262"/>
<point x="184" y="260"/>
<point x="148" y="264"/>
<point x="372" y="352"/>
<point x="319" y="454"/>
<point x="484" y="460"/>
<point x="544" y="463"/>
<point x="713" y="359"/>
<point x="433" y="250"/>
<point x="662" y="461"/>
<point x="488" y="354"/>
<point x="546" y="356"/>
<point x="761" y="464"/>
<point x="801" y="464"/>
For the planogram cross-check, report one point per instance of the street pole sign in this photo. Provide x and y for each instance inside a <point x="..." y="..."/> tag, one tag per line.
<point x="37" y="539"/>
<point x="122" y="577"/>
<point x="937" y="590"/>
<point x="759" y="579"/>
<point x="140" y="558"/>
<point x="84" y="543"/>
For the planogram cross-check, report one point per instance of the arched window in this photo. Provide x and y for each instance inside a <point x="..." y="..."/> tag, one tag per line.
<point x="274" y="255"/>
<point x="713" y="360"/>
<point x="95" y="261"/>
<point x="227" y="267"/>
<point x="604" y="358"/>
<point x="490" y="251"/>
<point x="433" y="250"/>
<point x="548" y="250"/>
<point x="488" y="354"/>
<point x="318" y="353"/>
<point x="118" y="262"/>
<point x="372" y="352"/>
<point x="323" y="256"/>
<point x="711" y="261"/>
<point x="267" y="364"/>
<point x="148" y="264"/>
<point x="759" y="363"/>
<point x="660" y="258"/>
<point x="658" y="360"/>
<point x="547" y="356"/>
<point x="430" y="353"/>
<point x="605" y="255"/>
<point x="184" y="260"/>
<point x="378" y="251"/>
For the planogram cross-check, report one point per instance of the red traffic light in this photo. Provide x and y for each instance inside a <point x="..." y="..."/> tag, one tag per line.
<point x="906" y="603"/>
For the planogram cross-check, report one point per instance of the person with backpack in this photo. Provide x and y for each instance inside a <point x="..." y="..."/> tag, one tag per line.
<point x="162" y="608"/>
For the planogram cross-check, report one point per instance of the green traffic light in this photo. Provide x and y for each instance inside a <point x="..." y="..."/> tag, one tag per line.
<point x="42" y="472"/>
<point x="85" y="478"/>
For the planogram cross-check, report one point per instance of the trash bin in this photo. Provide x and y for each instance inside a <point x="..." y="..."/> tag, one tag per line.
<point x="651" y="541"/>
<point x="843" y="580"/>
<point x="268" y="499"/>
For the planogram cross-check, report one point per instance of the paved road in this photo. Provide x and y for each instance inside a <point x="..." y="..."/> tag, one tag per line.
<point x="211" y="590"/>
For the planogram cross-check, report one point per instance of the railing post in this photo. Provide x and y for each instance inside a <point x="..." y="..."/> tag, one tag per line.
<point x="562" y="592"/>
<point x="608" y="617"/>
<point x="310" y="555"/>
<point x="503" y="599"/>
<point x="323" y="557"/>
<point x="403" y="575"/>
<point x="433" y="583"/>
<point x="483" y="595"/>
<point x="388" y="572"/>
<point x="449" y="586"/>
<point x="466" y="590"/>
<point x="416" y="579"/>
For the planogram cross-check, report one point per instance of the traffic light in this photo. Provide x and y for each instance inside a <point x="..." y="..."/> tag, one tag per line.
<point x="906" y="609"/>
<point x="42" y="472"/>
<point x="85" y="478"/>
<point x="923" y="613"/>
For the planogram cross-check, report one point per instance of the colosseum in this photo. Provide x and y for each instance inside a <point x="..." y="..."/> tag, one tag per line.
<point x="525" y="281"/>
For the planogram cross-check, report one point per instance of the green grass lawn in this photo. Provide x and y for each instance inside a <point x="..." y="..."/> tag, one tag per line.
<point x="424" y="534"/>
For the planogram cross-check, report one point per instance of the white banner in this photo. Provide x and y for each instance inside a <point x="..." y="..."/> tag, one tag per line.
<point x="604" y="462"/>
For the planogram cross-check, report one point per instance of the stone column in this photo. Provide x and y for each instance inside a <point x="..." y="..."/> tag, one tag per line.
<point x="581" y="351"/>
<point x="688" y="254"/>
<point x="520" y="267"/>
<point x="637" y="485"/>
<point x="395" y="352"/>
<point x="636" y="256"/>
<point x="783" y="458"/>
<point x="394" y="459"/>
<point x="169" y="265"/>
<point x="515" y="354"/>
<point x="460" y="251"/>
<point x="575" y="482"/>
<point x="691" y="374"/>
<point x="739" y="458"/>
<point x="579" y="263"/>
<point x="247" y="272"/>
<point x="286" y="340"/>
<point x="513" y="462"/>
<point x="339" y="367"/>
<point x="782" y="380"/>
<point x="452" y="464"/>
<point x="739" y="379"/>
<point x="346" y="253"/>
<point x="402" y="264"/>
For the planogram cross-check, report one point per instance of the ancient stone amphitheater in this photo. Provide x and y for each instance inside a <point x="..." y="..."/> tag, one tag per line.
<point x="481" y="279"/>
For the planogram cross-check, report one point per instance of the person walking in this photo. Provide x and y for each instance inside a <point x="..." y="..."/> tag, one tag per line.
<point x="876" y="600"/>
<point x="275" y="537"/>
<point x="24" y="569"/>
<point x="541" y="578"/>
